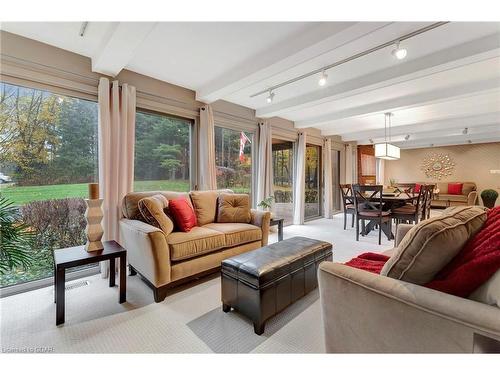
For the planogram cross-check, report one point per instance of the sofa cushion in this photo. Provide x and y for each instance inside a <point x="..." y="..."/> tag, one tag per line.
<point x="130" y="208"/>
<point x="442" y="187"/>
<point x="476" y="263"/>
<point x="183" y="214"/>
<point x="431" y="244"/>
<point x="489" y="292"/>
<point x="205" y="205"/>
<point x="233" y="208"/>
<point x="467" y="187"/>
<point x="153" y="210"/>
<point x="453" y="198"/>
<point x="200" y="240"/>
<point x="237" y="233"/>
<point x="455" y="188"/>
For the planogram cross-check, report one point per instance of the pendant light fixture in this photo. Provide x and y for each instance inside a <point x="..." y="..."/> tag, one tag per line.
<point x="387" y="150"/>
<point x="323" y="78"/>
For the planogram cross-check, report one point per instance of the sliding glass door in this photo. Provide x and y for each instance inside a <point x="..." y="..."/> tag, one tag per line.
<point x="313" y="204"/>
<point x="283" y="167"/>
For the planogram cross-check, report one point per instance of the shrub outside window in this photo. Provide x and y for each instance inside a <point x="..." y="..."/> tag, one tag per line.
<point x="48" y="154"/>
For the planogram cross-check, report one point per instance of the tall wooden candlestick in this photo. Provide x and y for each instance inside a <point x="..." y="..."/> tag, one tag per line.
<point x="93" y="216"/>
<point x="93" y="191"/>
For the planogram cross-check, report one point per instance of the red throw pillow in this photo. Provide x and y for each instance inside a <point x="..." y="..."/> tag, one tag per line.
<point x="455" y="189"/>
<point x="183" y="214"/>
<point x="417" y="188"/>
<point x="476" y="262"/>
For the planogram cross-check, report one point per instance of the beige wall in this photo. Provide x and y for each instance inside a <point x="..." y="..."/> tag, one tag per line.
<point x="472" y="163"/>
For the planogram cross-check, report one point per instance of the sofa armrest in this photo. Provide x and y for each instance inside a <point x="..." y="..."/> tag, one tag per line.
<point x="364" y="312"/>
<point x="261" y="219"/>
<point x="147" y="250"/>
<point x="472" y="198"/>
<point x="401" y="232"/>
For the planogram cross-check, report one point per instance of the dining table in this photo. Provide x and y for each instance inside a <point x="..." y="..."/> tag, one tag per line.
<point x="390" y="201"/>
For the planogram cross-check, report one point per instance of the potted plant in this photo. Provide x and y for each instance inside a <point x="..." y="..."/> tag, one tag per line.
<point x="266" y="204"/>
<point x="489" y="197"/>
<point x="16" y="238"/>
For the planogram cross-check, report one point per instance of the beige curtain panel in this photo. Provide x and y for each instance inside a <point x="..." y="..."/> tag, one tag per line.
<point x="327" y="173"/>
<point x="300" y="176"/>
<point x="265" y="163"/>
<point x="206" y="155"/>
<point x="116" y="151"/>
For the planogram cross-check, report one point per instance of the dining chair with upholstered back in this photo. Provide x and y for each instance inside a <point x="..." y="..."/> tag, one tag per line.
<point x="369" y="206"/>
<point x="347" y="202"/>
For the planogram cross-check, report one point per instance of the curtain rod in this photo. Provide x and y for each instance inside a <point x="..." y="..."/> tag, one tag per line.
<point x="353" y="57"/>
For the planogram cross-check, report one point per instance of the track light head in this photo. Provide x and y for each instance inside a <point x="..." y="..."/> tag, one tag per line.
<point x="371" y="141"/>
<point x="465" y="131"/>
<point x="399" y="52"/>
<point x="323" y="78"/>
<point x="407" y="136"/>
<point x="270" y="97"/>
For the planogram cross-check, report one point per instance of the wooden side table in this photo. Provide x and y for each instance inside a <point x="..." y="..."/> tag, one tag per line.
<point x="279" y="222"/>
<point x="78" y="256"/>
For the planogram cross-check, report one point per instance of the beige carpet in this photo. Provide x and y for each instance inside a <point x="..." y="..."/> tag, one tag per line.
<point x="96" y="323"/>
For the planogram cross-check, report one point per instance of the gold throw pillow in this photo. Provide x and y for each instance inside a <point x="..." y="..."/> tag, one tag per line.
<point x="234" y="208"/>
<point x="153" y="212"/>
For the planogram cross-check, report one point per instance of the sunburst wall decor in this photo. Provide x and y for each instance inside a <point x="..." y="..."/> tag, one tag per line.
<point x="437" y="166"/>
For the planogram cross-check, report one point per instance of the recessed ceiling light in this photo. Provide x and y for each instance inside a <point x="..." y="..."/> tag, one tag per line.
<point x="399" y="52"/>
<point x="322" y="80"/>
<point x="270" y="97"/>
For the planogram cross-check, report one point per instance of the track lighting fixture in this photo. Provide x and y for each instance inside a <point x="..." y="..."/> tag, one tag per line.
<point x="323" y="78"/>
<point x="465" y="131"/>
<point x="270" y="97"/>
<point x="407" y="136"/>
<point x="399" y="52"/>
<point x="371" y="141"/>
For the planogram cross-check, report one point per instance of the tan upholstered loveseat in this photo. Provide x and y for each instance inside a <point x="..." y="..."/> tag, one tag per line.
<point x="165" y="260"/>
<point x="467" y="198"/>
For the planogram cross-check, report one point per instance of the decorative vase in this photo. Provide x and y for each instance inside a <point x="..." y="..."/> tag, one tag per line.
<point x="93" y="230"/>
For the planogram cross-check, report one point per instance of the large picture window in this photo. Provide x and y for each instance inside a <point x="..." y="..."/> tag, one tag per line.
<point x="313" y="182"/>
<point x="162" y="152"/>
<point x="233" y="159"/>
<point x="48" y="154"/>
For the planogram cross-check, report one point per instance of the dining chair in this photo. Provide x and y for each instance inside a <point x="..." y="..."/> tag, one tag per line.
<point x="407" y="188"/>
<point x="426" y="212"/>
<point x="411" y="212"/>
<point x="347" y="202"/>
<point x="369" y="205"/>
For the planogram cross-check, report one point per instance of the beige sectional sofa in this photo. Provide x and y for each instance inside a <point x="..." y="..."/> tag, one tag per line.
<point x="165" y="260"/>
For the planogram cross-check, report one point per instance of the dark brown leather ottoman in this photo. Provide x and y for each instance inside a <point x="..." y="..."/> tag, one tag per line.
<point x="261" y="283"/>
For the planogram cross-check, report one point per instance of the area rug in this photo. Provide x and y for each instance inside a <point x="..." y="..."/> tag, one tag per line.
<point x="233" y="333"/>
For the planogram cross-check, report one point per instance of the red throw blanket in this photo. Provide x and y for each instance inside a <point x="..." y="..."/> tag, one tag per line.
<point x="476" y="262"/>
<point x="371" y="262"/>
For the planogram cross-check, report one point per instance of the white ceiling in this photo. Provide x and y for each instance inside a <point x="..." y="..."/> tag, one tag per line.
<point x="450" y="79"/>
